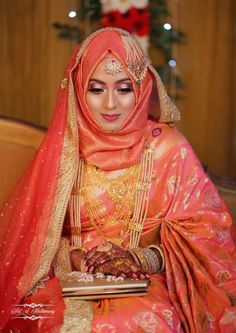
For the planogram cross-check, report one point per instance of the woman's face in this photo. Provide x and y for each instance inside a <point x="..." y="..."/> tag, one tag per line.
<point x="110" y="98"/>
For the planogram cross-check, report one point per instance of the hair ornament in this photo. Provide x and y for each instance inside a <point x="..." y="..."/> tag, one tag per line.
<point x="136" y="60"/>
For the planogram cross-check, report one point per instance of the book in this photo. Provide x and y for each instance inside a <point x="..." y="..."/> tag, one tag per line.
<point x="100" y="288"/>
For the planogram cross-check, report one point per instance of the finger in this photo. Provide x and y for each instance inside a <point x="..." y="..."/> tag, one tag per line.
<point x="102" y="259"/>
<point x="134" y="268"/>
<point x="108" y="257"/>
<point x="90" y="253"/>
<point x="83" y="266"/>
<point x="142" y="275"/>
<point x="91" y="261"/>
<point x="91" y="270"/>
<point x="108" y="268"/>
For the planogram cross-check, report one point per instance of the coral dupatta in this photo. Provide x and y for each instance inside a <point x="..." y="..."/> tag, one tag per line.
<point x="32" y="218"/>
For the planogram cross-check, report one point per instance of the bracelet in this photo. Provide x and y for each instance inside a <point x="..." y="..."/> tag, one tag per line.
<point x="159" y="249"/>
<point x="72" y="248"/>
<point x="152" y="260"/>
<point x="141" y="257"/>
<point x="147" y="259"/>
<point x="135" y="258"/>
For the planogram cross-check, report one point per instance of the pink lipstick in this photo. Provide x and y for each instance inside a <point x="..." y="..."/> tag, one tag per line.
<point x="110" y="117"/>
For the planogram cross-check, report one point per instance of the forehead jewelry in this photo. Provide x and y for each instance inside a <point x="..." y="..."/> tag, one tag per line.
<point x="113" y="66"/>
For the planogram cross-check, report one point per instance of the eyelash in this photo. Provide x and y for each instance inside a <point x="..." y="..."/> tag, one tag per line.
<point x="100" y="90"/>
<point x="125" y="90"/>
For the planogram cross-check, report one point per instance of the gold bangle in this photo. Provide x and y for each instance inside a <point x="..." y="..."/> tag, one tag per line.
<point x="152" y="260"/>
<point x="72" y="248"/>
<point x="135" y="258"/>
<point x="143" y="260"/>
<point x="159" y="249"/>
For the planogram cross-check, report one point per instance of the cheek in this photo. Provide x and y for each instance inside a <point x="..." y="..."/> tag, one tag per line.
<point x="93" y="103"/>
<point x="129" y="103"/>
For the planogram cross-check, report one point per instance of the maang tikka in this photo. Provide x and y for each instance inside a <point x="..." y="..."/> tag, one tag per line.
<point x="113" y="65"/>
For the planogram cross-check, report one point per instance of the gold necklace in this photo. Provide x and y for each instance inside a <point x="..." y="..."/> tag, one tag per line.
<point x="121" y="192"/>
<point x="128" y="192"/>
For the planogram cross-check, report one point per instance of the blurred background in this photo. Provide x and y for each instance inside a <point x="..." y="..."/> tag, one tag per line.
<point x="33" y="58"/>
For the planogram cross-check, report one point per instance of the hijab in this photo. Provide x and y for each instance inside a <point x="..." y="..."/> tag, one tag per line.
<point x="122" y="148"/>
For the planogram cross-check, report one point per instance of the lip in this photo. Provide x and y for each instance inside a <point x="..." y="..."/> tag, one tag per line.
<point x="110" y="117"/>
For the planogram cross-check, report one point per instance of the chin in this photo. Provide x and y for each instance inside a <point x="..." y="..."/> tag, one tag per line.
<point x="110" y="127"/>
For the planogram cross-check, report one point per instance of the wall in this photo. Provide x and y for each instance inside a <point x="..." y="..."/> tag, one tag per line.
<point x="33" y="59"/>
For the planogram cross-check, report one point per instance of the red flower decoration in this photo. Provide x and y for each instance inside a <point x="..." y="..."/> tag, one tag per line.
<point x="140" y="19"/>
<point x="135" y="20"/>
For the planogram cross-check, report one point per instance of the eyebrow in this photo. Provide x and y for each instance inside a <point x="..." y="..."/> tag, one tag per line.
<point x="102" y="82"/>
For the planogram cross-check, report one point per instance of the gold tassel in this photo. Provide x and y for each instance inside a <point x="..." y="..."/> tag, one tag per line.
<point x="74" y="206"/>
<point x="142" y="198"/>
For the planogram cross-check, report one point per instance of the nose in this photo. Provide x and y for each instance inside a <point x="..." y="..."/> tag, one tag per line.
<point x="110" y="100"/>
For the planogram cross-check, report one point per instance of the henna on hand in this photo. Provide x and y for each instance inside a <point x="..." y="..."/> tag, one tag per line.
<point x="109" y="258"/>
<point x="124" y="267"/>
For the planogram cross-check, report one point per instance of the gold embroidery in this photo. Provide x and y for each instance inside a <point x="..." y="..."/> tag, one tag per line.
<point x="64" y="83"/>
<point x="77" y="316"/>
<point x="222" y="276"/>
<point x="99" y="328"/>
<point x="192" y="178"/>
<point x="212" y="199"/>
<point x="168" y="315"/>
<point x="169" y="112"/>
<point x="173" y="183"/>
<point x="61" y="261"/>
<point x="206" y="321"/>
<point x="147" y="321"/>
<point x="40" y="285"/>
<point x="183" y="153"/>
<point x="67" y="171"/>
<point x="229" y="317"/>
<point x="186" y="200"/>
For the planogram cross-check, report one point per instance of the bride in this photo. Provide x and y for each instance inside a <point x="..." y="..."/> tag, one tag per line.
<point x="112" y="191"/>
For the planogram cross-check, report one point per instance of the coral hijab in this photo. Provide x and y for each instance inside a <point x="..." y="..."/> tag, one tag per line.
<point x="122" y="148"/>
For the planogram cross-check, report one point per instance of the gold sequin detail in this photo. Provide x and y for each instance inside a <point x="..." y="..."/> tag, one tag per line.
<point x="77" y="316"/>
<point x="64" y="83"/>
<point x="66" y="176"/>
<point x="61" y="262"/>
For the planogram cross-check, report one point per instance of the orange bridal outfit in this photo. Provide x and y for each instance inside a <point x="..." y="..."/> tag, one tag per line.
<point x="197" y="291"/>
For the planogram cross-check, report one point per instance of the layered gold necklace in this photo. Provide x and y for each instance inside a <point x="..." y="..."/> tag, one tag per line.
<point x="121" y="193"/>
<point x="127" y="193"/>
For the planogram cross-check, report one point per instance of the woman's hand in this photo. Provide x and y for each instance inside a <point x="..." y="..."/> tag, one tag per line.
<point x="77" y="260"/>
<point x="122" y="267"/>
<point x="109" y="258"/>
